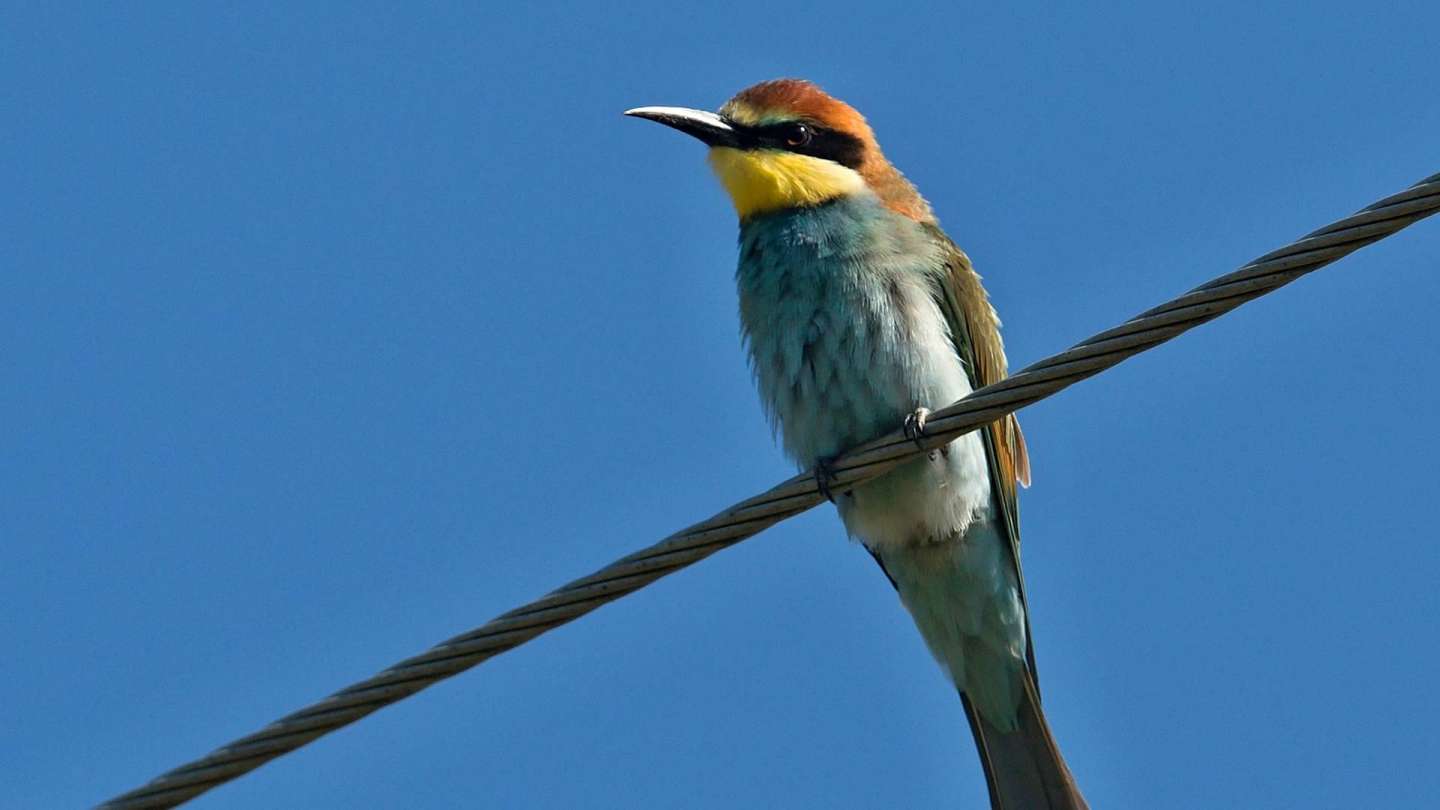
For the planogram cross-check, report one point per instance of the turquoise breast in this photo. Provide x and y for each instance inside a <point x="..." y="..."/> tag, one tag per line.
<point x="827" y="299"/>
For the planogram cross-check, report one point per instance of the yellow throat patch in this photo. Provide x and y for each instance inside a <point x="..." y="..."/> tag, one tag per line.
<point x="761" y="180"/>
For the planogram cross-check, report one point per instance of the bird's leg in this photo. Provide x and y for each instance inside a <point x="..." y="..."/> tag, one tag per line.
<point x="915" y="425"/>
<point x="915" y="430"/>
<point x="825" y="476"/>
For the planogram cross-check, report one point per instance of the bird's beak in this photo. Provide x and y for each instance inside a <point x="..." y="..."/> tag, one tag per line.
<point x="711" y="129"/>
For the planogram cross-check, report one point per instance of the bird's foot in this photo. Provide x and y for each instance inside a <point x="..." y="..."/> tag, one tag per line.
<point x="915" y="430"/>
<point x="825" y="476"/>
<point x="915" y="425"/>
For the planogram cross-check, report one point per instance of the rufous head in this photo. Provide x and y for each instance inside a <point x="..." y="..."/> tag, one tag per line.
<point x="786" y="144"/>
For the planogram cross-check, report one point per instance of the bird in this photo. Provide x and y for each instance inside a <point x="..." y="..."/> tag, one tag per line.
<point x="859" y="314"/>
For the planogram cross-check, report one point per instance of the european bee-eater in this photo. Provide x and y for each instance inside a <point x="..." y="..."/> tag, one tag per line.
<point x="858" y="314"/>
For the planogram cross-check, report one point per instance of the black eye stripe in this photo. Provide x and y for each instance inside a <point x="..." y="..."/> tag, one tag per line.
<point x="829" y="144"/>
<point x="788" y="135"/>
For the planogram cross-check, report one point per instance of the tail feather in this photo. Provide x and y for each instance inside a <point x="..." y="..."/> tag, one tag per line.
<point x="965" y="599"/>
<point x="1023" y="768"/>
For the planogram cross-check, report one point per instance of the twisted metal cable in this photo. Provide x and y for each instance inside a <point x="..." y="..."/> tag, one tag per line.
<point x="750" y="517"/>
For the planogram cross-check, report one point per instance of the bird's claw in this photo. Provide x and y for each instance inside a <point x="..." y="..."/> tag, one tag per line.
<point x="825" y="476"/>
<point x="915" y="426"/>
<point x="915" y="430"/>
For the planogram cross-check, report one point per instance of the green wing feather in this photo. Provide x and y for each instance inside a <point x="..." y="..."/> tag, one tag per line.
<point x="975" y="328"/>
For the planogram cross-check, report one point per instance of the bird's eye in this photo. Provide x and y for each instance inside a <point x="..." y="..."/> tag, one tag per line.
<point x="797" y="135"/>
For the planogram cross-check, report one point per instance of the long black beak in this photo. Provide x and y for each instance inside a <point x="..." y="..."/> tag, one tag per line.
<point x="711" y="129"/>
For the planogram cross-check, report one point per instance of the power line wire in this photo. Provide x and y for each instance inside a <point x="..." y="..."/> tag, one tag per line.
<point x="750" y="517"/>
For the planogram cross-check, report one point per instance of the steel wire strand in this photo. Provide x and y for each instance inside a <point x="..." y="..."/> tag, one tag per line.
<point x="749" y="517"/>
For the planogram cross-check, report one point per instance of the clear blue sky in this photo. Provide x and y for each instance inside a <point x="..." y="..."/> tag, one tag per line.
<point x="328" y="333"/>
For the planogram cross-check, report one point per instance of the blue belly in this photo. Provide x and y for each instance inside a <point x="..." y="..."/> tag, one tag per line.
<point x="838" y="307"/>
<point x="821" y="307"/>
